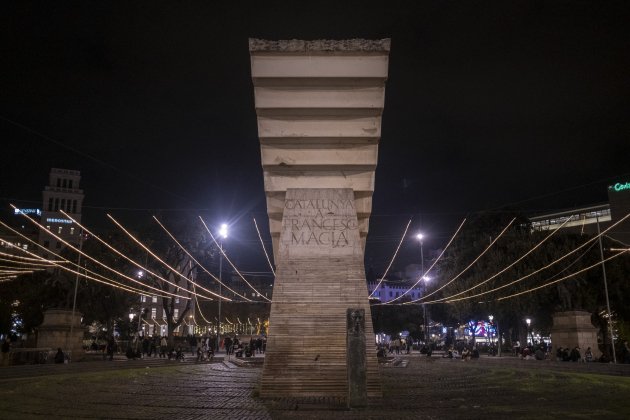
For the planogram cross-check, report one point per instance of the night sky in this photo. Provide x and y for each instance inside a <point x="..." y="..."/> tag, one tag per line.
<point x="488" y="104"/>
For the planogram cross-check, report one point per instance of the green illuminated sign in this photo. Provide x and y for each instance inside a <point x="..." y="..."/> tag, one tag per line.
<point x="621" y="187"/>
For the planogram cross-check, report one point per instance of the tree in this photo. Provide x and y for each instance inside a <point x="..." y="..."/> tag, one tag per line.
<point x="177" y="267"/>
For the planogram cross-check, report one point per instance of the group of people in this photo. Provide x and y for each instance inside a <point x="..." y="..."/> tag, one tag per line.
<point x="203" y="347"/>
<point x="398" y="346"/>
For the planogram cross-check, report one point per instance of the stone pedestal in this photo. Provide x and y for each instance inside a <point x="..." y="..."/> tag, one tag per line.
<point x="357" y="366"/>
<point x="574" y="328"/>
<point x="55" y="332"/>
<point x="320" y="275"/>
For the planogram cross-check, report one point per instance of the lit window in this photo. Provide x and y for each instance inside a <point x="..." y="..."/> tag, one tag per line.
<point x="163" y="313"/>
<point x="176" y="300"/>
<point x="143" y="298"/>
<point x="176" y="313"/>
<point x="71" y="231"/>
<point x="153" y="313"/>
<point x="154" y="299"/>
<point x="59" y="230"/>
<point x="48" y="227"/>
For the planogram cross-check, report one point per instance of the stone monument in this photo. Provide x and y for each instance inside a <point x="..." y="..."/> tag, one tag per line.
<point x="54" y="332"/>
<point x="574" y="328"/>
<point x="319" y="106"/>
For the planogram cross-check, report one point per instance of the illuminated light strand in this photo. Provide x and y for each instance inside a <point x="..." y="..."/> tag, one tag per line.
<point x="19" y="272"/>
<point x="230" y="262"/>
<point x="511" y="265"/>
<point x="19" y="269"/>
<point x="228" y="321"/>
<point x="200" y="312"/>
<point x="563" y="278"/>
<point x="540" y="269"/>
<point x="565" y="268"/>
<point x="392" y="260"/>
<point x="88" y="256"/>
<point x="110" y="282"/>
<point x="6" y="279"/>
<point x="63" y="260"/>
<point x="117" y="251"/>
<point x="471" y="264"/>
<point x="27" y="263"/>
<point x="177" y="288"/>
<point x="19" y="257"/>
<point x="263" y="247"/>
<point x="197" y="262"/>
<point x="426" y="273"/>
<point x="137" y="241"/>
<point x="617" y="240"/>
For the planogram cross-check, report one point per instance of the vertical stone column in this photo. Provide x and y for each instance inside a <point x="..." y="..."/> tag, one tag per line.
<point x="319" y="106"/>
<point x="356" y="360"/>
<point x="320" y="274"/>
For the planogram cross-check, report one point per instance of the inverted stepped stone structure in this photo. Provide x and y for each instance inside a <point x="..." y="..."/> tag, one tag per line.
<point x="319" y="106"/>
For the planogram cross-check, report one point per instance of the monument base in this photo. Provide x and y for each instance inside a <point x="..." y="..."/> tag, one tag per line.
<point x="320" y="275"/>
<point x="574" y="328"/>
<point x="55" y="333"/>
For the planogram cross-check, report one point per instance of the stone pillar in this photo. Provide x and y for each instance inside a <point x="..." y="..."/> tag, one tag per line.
<point x="320" y="274"/>
<point x="574" y="328"/>
<point x="356" y="360"/>
<point x="319" y="106"/>
<point x="54" y="332"/>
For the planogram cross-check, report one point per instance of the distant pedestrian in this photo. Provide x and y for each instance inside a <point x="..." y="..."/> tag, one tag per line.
<point x="59" y="357"/>
<point x="575" y="354"/>
<point x="588" y="355"/>
<point x="163" y="346"/>
<point x="6" y="348"/>
<point x="111" y="347"/>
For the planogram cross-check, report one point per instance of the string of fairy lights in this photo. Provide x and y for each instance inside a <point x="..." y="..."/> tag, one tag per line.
<point x="393" y="258"/>
<point x="12" y="266"/>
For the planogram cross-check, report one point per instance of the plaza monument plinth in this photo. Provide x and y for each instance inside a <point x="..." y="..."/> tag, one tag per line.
<point x="319" y="106"/>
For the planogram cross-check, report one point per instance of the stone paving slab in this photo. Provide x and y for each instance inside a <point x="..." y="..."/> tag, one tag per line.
<point x="428" y="388"/>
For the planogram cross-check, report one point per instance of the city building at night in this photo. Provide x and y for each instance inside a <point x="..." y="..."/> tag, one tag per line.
<point x="61" y="193"/>
<point x="585" y="219"/>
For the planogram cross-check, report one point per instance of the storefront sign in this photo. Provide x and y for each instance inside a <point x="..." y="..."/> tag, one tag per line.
<point x="55" y="220"/>
<point x="38" y="212"/>
<point x="621" y="187"/>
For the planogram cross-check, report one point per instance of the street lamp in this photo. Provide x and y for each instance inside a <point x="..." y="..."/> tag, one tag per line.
<point x="528" y="321"/>
<point x="491" y="317"/>
<point x="488" y="333"/>
<point x="223" y="233"/>
<point x="420" y="238"/>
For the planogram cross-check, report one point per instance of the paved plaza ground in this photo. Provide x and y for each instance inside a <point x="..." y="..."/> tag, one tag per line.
<point x="426" y="388"/>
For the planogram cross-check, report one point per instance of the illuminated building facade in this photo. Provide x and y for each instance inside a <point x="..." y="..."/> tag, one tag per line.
<point x="584" y="220"/>
<point x="61" y="193"/>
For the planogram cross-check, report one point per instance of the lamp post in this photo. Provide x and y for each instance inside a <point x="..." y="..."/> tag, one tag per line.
<point x="528" y="321"/>
<point x="140" y="276"/>
<point x="420" y="238"/>
<point x="76" y="287"/>
<point x="610" y="328"/>
<point x="223" y="233"/>
<point x="131" y="315"/>
<point x="491" y="317"/>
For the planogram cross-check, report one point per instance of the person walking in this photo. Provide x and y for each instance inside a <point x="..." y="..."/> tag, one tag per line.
<point x="6" y="348"/>
<point x="110" y="348"/>
<point x="163" y="346"/>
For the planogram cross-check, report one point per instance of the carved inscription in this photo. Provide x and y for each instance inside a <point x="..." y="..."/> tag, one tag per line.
<point x="320" y="222"/>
